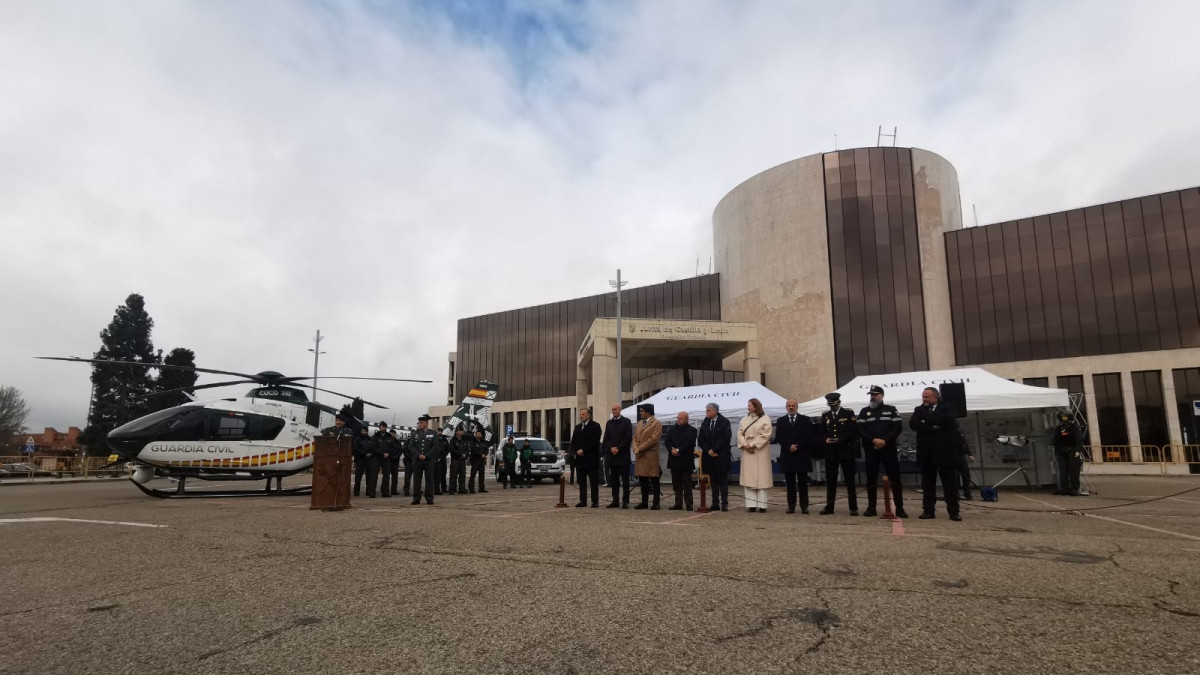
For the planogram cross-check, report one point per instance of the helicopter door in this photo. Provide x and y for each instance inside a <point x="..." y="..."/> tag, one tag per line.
<point x="312" y="416"/>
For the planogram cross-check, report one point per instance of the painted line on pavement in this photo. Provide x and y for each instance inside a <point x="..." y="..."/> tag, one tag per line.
<point x="898" y="527"/>
<point x="1056" y="507"/>
<point x="1185" y="501"/>
<point x="1144" y="527"/>
<point x="10" y="521"/>
<point x="511" y="515"/>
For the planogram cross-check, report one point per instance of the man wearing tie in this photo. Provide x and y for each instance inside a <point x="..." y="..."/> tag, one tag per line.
<point x="714" y="439"/>
<point x="938" y="446"/>
<point x="796" y="436"/>
<point x="618" y="436"/>
<point x="585" y="446"/>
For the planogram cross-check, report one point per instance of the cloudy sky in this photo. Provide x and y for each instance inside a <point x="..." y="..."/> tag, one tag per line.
<point x="377" y="170"/>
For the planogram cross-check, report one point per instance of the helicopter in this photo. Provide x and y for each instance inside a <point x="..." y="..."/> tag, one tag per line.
<point x="267" y="434"/>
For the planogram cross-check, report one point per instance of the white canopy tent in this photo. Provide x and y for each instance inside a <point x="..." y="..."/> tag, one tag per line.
<point x="732" y="399"/>
<point x="985" y="392"/>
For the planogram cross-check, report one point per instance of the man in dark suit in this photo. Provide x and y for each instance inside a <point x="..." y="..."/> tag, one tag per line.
<point x="681" y="460"/>
<point x="585" y="448"/>
<point x="880" y="425"/>
<point x="383" y="451"/>
<point x="796" y="437"/>
<point x="840" y="433"/>
<point x="938" y="448"/>
<point x="618" y="437"/>
<point x="714" y="439"/>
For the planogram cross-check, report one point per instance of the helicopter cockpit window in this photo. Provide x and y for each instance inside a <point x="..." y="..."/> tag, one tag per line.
<point x="230" y="428"/>
<point x="263" y="428"/>
<point x="185" y="426"/>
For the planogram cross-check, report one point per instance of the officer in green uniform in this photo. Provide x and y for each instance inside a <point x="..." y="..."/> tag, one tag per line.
<point x="423" y="450"/>
<point x="526" y="479"/>
<point x="508" y="463"/>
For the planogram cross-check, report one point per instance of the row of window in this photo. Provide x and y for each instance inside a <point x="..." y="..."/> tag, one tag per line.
<point x="1150" y="403"/>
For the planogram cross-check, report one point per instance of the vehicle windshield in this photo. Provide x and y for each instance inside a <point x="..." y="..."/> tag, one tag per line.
<point x="535" y="444"/>
<point x="152" y="419"/>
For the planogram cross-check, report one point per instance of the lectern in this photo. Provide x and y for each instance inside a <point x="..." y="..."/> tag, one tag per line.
<point x="331" y="474"/>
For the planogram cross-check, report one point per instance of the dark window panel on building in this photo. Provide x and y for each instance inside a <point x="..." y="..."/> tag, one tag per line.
<point x="1036" y="381"/>
<point x="1151" y="411"/>
<point x="1105" y="279"/>
<point x="1074" y="386"/>
<point x="1110" y="409"/>
<point x="1187" y="391"/>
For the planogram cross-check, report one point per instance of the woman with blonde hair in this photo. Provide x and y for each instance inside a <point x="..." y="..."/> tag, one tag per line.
<point x="754" y="439"/>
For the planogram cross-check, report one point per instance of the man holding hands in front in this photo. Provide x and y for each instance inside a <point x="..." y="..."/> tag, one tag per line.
<point x="585" y="445"/>
<point x="618" y="436"/>
<point x="681" y="460"/>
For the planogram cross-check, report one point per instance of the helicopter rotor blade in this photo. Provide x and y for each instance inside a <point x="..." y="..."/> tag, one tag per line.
<point x="338" y="393"/>
<point x="144" y="364"/>
<point x="199" y="386"/>
<point x="377" y="379"/>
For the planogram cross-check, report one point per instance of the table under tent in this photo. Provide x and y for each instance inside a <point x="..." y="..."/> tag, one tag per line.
<point x="1007" y="424"/>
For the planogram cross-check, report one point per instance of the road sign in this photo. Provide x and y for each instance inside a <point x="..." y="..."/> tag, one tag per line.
<point x="29" y="447"/>
<point x="508" y="429"/>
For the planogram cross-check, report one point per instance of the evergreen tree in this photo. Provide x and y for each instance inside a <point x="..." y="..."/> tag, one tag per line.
<point x="169" y="378"/>
<point x="119" y="392"/>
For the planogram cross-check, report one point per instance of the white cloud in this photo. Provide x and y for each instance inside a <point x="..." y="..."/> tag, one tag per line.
<point x="260" y="170"/>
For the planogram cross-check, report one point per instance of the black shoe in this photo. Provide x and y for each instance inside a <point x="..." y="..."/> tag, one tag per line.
<point x="725" y="508"/>
<point x="430" y="502"/>
<point x="640" y="507"/>
<point x="790" y="509"/>
<point x="416" y="502"/>
<point x="406" y="493"/>
<point x="1061" y="492"/>
<point x="581" y="504"/>
<point x="854" y="512"/>
<point x="356" y="493"/>
<point x="752" y="509"/>
<point x="625" y="505"/>
<point x="925" y="516"/>
<point x="956" y="517"/>
<point x="968" y="497"/>
<point x="612" y="505"/>
<point x="472" y="492"/>
<point x="450" y="493"/>
<point x="762" y="510"/>
<point x="826" y="511"/>
<point x="688" y="508"/>
<point x="483" y="492"/>
<point x="804" y="510"/>
<point x="869" y="513"/>
<point x="675" y="508"/>
<point x="370" y="496"/>
<point x="901" y="514"/>
<point x="595" y="505"/>
<point x="385" y="495"/>
<point x="654" y="507"/>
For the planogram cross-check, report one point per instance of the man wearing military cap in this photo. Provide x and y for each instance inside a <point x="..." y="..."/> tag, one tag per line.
<point x="840" y="440"/>
<point x="423" y="449"/>
<point x="382" y="451"/>
<point x="879" y="426"/>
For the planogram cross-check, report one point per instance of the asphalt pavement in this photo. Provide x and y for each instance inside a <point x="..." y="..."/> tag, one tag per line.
<point x="95" y="577"/>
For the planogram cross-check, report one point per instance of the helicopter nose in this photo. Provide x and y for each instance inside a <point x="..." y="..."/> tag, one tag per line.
<point x="127" y="444"/>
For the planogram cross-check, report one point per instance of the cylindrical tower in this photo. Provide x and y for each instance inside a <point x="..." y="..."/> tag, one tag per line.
<point x="839" y="258"/>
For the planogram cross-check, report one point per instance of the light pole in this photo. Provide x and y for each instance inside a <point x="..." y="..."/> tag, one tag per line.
<point x="617" y="285"/>
<point x="316" y="350"/>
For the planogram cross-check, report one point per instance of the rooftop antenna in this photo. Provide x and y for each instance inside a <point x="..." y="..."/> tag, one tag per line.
<point x="710" y="264"/>
<point x="835" y="145"/>
<point x="976" y="212"/>
<point x="881" y="136"/>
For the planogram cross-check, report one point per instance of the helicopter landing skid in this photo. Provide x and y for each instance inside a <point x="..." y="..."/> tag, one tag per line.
<point x="180" y="493"/>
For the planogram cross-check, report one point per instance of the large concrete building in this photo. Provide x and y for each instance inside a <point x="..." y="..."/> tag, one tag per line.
<point x="856" y="262"/>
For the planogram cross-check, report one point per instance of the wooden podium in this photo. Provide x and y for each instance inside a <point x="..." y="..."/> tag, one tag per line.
<point x="331" y="474"/>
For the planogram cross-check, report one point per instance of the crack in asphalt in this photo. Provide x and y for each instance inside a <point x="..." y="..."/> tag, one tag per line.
<point x="825" y="620"/>
<point x="1159" y="600"/>
<point x="299" y="622"/>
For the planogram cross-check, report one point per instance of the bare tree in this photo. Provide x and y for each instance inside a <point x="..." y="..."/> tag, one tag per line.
<point x="13" y="412"/>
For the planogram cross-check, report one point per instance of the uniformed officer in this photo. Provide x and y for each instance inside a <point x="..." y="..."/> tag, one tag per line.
<point x="880" y="425"/>
<point x="1067" y="440"/>
<point x="479" y="453"/>
<point x="460" y="449"/>
<point x="838" y="429"/>
<point x="526" y="477"/>
<point x="362" y="457"/>
<point x="382" y="451"/>
<point x="392" y="474"/>
<point x="508" y="463"/>
<point x="442" y="465"/>
<point x="423" y="449"/>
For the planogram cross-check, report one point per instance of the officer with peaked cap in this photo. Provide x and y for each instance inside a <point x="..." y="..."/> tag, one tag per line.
<point x="423" y="450"/>
<point x="879" y="426"/>
<point x="840" y="439"/>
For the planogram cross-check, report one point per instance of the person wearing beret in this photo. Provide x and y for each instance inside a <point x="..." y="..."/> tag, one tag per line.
<point x="840" y="435"/>
<point x="645" y="449"/>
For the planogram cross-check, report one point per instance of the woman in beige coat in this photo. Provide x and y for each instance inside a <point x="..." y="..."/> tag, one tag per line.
<point x="754" y="439"/>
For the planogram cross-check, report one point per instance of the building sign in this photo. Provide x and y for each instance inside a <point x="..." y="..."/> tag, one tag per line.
<point x="678" y="331"/>
<point x="1196" y="408"/>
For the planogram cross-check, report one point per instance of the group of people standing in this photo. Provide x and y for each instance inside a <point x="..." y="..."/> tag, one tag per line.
<point x="515" y="466"/>
<point x="838" y="438"/>
<point x="433" y="464"/>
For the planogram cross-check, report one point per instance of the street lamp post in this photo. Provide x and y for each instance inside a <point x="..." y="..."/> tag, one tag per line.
<point x="617" y="285"/>
<point x="316" y="350"/>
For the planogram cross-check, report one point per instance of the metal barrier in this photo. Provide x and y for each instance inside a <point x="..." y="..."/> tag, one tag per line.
<point x="1132" y="454"/>
<point x="30" y="467"/>
<point x="1188" y="454"/>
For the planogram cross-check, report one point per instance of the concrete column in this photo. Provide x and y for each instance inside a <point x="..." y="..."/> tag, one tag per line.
<point x="605" y="376"/>
<point x="1130" y="404"/>
<point x="1089" y="402"/>
<point x="582" y="377"/>
<point x="1174" y="429"/>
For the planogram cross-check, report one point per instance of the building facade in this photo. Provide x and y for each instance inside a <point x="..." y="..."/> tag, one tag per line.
<point x="856" y="262"/>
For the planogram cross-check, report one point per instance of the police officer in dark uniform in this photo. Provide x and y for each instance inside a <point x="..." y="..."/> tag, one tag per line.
<point x="479" y="455"/>
<point x="423" y="450"/>
<point x="392" y="475"/>
<point x="460" y="449"/>
<point x="382" y="451"/>
<point x="840" y="433"/>
<point x="880" y="425"/>
<point x="442" y="465"/>
<point x="1067" y="439"/>
<point x="362" y="457"/>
